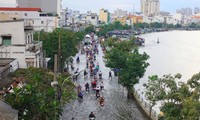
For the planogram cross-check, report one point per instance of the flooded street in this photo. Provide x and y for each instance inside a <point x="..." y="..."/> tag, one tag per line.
<point x="117" y="106"/>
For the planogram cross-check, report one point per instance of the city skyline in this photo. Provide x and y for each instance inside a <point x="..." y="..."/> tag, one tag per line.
<point x="128" y="5"/>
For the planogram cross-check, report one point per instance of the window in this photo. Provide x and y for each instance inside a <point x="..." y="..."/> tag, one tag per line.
<point x="6" y="40"/>
<point x="92" y="17"/>
<point x="42" y="22"/>
<point x="25" y="14"/>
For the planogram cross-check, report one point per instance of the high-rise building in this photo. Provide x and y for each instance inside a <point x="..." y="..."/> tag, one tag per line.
<point x="185" y="11"/>
<point x="196" y="10"/>
<point x="47" y="6"/>
<point x="120" y="13"/>
<point x="150" y="7"/>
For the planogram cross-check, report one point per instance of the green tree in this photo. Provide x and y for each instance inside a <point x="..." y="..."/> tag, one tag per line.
<point x="89" y="29"/>
<point x="69" y="42"/>
<point x="180" y="101"/>
<point x="37" y="99"/>
<point x="131" y="64"/>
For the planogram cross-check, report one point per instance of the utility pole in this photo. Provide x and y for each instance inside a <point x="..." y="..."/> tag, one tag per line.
<point x="55" y="68"/>
<point x="59" y="55"/>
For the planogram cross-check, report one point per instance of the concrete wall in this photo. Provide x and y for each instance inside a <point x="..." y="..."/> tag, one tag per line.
<point x="15" y="29"/>
<point x="48" y="6"/>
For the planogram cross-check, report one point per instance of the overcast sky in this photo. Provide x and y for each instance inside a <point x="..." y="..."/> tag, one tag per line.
<point x="111" y="5"/>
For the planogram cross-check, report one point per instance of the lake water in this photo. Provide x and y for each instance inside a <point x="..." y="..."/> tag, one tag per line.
<point x="177" y="52"/>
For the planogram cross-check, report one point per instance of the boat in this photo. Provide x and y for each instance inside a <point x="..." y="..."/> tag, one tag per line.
<point x="139" y="41"/>
<point x="158" y="40"/>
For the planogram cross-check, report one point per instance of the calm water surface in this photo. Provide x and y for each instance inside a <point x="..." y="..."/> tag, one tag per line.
<point x="177" y="52"/>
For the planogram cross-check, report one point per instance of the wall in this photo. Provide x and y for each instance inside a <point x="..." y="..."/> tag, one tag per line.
<point x="16" y="29"/>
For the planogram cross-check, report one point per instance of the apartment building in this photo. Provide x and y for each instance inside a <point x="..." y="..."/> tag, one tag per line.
<point x="104" y="16"/>
<point x="16" y="41"/>
<point x="41" y="21"/>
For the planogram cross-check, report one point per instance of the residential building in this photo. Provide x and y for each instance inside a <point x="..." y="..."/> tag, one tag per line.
<point x="41" y="21"/>
<point x="47" y="6"/>
<point x="185" y="11"/>
<point x="104" y="16"/>
<point x="122" y="20"/>
<point x="196" y="10"/>
<point x="196" y="18"/>
<point x="16" y="41"/>
<point x="119" y="13"/>
<point x="92" y="18"/>
<point x="150" y="7"/>
<point x="134" y="19"/>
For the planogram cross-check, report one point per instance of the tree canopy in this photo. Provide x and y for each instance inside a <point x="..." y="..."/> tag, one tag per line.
<point x="180" y="101"/>
<point x="69" y="42"/>
<point x="124" y="56"/>
<point x="37" y="99"/>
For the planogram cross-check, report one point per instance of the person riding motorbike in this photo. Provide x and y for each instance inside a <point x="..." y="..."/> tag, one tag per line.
<point x="80" y="94"/>
<point x="97" y="91"/>
<point x="92" y="116"/>
<point x="94" y="83"/>
<point x="100" y="75"/>
<point x="87" y="87"/>
<point x="77" y="59"/>
<point x="101" y="101"/>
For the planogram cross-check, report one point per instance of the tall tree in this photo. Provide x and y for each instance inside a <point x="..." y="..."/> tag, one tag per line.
<point x="131" y="64"/>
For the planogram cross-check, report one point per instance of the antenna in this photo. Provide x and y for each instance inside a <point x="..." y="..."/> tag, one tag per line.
<point x="133" y="14"/>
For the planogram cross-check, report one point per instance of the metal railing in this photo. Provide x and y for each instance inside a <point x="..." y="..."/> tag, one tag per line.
<point x="145" y="105"/>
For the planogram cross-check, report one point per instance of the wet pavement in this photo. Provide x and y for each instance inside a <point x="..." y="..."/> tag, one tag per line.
<point x="117" y="106"/>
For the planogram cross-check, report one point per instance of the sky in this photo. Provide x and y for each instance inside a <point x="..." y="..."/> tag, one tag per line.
<point x="111" y="5"/>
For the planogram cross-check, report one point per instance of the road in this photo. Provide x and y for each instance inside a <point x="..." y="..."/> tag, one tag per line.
<point x="117" y="106"/>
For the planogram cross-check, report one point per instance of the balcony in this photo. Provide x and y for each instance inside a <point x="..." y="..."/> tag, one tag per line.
<point x="34" y="48"/>
<point x="28" y="24"/>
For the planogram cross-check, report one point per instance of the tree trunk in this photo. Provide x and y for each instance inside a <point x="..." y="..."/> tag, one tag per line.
<point x="150" y="112"/>
<point x="130" y="94"/>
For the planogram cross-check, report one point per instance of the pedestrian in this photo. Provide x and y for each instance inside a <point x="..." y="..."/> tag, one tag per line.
<point x="110" y="75"/>
<point x="85" y="73"/>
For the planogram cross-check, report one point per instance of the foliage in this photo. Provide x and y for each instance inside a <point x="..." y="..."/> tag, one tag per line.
<point x="69" y="42"/>
<point x="180" y="101"/>
<point x="125" y="56"/>
<point x="37" y="99"/>
<point x="89" y="29"/>
<point x="103" y="29"/>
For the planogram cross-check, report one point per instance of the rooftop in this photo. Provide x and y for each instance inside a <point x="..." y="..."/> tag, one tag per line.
<point x="7" y="112"/>
<point x="19" y="9"/>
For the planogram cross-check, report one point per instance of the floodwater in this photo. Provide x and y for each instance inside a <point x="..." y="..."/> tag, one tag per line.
<point x="117" y="106"/>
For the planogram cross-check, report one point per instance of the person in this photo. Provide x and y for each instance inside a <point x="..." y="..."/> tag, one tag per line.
<point x="78" y="59"/>
<point x="110" y="75"/>
<point x="85" y="73"/>
<point x="101" y="101"/>
<point x="92" y="116"/>
<point x="101" y="85"/>
<point x="97" y="91"/>
<point x="94" y="85"/>
<point x="87" y="87"/>
<point x="100" y="75"/>
<point x="80" y="94"/>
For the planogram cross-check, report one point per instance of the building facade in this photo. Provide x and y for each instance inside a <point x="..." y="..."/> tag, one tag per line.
<point x="16" y="41"/>
<point x="150" y="7"/>
<point x="47" y="6"/>
<point x="104" y="16"/>
<point x="41" y="21"/>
